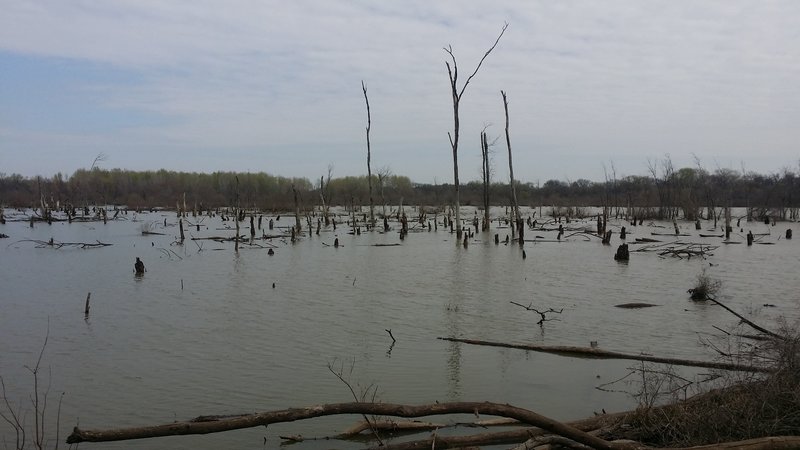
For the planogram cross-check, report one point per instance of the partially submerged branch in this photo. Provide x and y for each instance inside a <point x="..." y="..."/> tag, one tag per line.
<point x="542" y="314"/>
<point x="583" y="352"/>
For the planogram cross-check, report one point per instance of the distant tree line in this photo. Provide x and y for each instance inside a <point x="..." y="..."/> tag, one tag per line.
<point x="664" y="193"/>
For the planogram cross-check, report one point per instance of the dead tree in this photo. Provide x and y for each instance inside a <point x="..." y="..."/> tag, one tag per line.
<point x="514" y="204"/>
<point x="298" y="224"/>
<point x="236" y="213"/>
<point x="452" y="72"/>
<point x="369" y="168"/>
<point x="486" y="172"/>
<point x="383" y="174"/>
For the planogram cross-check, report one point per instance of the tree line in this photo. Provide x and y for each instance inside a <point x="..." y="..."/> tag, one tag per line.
<point x="664" y="193"/>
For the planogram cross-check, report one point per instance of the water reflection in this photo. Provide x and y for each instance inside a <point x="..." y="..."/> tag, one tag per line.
<point x="453" y="322"/>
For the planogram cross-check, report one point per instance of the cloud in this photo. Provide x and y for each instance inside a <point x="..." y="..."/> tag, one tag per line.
<point x="277" y="84"/>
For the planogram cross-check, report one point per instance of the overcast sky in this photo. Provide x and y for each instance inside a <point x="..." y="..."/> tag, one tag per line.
<point x="275" y="86"/>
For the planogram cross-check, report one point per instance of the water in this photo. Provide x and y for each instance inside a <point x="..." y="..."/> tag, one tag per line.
<point x="204" y="331"/>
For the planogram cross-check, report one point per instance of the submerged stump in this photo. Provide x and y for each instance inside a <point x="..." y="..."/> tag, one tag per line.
<point x="623" y="254"/>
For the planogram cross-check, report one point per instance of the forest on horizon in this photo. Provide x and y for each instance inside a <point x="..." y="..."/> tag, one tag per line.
<point x="665" y="191"/>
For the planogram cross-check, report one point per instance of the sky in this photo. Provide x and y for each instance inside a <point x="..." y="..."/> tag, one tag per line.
<point x="594" y="88"/>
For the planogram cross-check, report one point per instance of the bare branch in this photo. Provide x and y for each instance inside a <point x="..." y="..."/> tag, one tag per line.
<point x="505" y="26"/>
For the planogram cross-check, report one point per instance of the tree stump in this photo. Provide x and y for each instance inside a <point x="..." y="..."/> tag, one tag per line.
<point x="622" y="253"/>
<point x="788" y="234"/>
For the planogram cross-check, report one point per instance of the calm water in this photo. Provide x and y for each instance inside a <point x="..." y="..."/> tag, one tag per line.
<point x="205" y="332"/>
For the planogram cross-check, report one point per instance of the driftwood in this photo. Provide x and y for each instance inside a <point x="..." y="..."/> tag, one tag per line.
<point x="589" y="425"/>
<point x="58" y="245"/>
<point x="584" y="352"/>
<point x="679" y="249"/>
<point x="289" y="415"/>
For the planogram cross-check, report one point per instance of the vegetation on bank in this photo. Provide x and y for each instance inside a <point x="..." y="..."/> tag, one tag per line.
<point x="665" y="193"/>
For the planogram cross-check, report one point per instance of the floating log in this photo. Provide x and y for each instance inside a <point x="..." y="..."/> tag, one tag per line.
<point x="584" y="352"/>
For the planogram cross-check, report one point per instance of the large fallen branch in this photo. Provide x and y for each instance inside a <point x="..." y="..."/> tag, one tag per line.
<point x="590" y="425"/>
<point x="202" y="425"/>
<point x="584" y="352"/>
<point x="748" y="322"/>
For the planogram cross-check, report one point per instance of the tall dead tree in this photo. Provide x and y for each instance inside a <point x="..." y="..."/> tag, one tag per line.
<point x="369" y="156"/>
<point x="514" y="204"/>
<point x="486" y="173"/>
<point x="236" y="212"/>
<point x="452" y="72"/>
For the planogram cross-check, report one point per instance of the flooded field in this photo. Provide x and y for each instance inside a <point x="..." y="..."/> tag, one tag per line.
<point x="208" y="331"/>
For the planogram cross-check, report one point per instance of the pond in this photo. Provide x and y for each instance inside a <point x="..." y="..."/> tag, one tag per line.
<point x="209" y="331"/>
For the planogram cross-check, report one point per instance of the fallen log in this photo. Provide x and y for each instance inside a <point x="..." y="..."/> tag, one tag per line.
<point x="294" y="414"/>
<point x="584" y="352"/>
<point x="589" y="425"/>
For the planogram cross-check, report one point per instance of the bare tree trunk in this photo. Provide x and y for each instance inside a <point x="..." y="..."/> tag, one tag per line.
<point x="322" y="199"/>
<point x="452" y="72"/>
<point x="298" y="224"/>
<point x="514" y="203"/>
<point x="486" y="180"/>
<point x="236" y="212"/>
<point x="369" y="157"/>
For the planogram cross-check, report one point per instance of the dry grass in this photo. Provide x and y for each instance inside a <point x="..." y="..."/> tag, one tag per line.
<point x="743" y="406"/>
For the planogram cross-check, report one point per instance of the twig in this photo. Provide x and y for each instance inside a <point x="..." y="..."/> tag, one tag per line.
<point x="543" y="314"/>
<point x="340" y="376"/>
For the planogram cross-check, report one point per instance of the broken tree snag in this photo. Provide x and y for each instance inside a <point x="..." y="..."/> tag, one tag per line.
<point x="202" y="425"/>
<point x="369" y="157"/>
<point x="514" y="204"/>
<point x="297" y="225"/>
<point x="622" y="253"/>
<point x="584" y="352"/>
